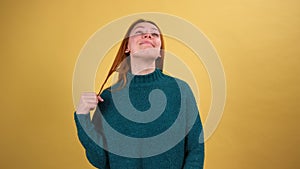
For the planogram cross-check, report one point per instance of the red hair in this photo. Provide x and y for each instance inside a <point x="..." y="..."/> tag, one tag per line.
<point x="123" y="66"/>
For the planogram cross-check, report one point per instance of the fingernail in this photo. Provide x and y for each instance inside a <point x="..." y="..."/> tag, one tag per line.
<point x="100" y="99"/>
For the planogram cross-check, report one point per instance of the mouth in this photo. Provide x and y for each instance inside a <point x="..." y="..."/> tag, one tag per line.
<point x="147" y="43"/>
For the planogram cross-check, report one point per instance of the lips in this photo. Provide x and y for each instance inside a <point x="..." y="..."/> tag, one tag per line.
<point x="146" y="43"/>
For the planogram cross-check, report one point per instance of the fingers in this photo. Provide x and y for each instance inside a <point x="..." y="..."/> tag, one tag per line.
<point x="88" y="101"/>
<point x="90" y="97"/>
<point x="100" y="98"/>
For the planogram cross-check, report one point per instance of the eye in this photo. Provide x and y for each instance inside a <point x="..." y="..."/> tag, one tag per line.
<point x="155" y="34"/>
<point x="138" y="32"/>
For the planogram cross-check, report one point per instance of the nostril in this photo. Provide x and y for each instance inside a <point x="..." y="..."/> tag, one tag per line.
<point x="147" y="35"/>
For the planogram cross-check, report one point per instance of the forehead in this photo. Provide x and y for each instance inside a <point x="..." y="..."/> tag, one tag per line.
<point x="145" y="25"/>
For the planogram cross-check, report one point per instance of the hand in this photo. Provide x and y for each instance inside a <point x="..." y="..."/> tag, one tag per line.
<point x="88" y="101"/>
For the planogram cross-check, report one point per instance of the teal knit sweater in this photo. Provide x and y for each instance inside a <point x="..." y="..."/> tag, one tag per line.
<point x="161" y="131"/>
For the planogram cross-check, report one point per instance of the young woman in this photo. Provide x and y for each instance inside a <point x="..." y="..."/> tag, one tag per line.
<point x="142" y="104"/>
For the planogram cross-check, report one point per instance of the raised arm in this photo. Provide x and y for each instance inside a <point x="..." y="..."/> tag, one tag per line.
<point x="90" y="139"/>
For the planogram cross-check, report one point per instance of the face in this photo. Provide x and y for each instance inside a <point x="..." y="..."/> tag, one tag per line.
<point x="144" y="41"/>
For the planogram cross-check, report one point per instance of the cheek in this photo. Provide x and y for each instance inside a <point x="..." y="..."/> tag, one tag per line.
<point x="131" y="43"/>
<point x="158" y="43"/>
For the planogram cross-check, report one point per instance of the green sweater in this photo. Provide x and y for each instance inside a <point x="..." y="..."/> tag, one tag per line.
<point x="162" y="130"/>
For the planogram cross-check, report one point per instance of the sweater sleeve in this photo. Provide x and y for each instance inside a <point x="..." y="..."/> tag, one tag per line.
<point x="91" y="140"/>
<point x="194" y="141"/>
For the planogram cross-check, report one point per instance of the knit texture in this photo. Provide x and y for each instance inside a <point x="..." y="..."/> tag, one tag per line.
<point x="176" y="101"/>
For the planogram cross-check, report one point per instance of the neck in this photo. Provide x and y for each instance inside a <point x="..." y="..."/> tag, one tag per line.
<point x="141" y="66"/>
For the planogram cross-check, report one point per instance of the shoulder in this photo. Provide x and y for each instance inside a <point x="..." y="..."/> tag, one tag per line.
<point x="183" y="85"/>
<point x="185" y="89"/>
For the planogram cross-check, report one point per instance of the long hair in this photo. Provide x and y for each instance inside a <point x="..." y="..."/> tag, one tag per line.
<point x="123" y="66"/>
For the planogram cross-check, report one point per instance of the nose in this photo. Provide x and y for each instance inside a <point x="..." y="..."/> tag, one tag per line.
<point x="147" y="35"/>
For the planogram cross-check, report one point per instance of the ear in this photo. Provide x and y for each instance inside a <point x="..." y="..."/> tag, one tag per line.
<point x="127" y="49"/>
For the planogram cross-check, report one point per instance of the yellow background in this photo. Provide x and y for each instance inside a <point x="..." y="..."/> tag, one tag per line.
<point x="258" y="44"/>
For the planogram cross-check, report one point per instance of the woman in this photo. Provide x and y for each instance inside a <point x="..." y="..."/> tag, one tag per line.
<point x="139" y="63"/>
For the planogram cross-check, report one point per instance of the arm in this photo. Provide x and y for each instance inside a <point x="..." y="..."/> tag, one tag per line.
<point x="194" y="156"/>
<point x="194" y="141"/>
<point x="90" y="139"/>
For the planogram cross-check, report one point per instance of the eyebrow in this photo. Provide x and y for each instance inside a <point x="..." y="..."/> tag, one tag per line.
<point x="144" y="27"/>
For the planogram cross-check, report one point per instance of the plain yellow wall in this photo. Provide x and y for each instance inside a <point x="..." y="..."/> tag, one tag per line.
<point x="258" y="43"/>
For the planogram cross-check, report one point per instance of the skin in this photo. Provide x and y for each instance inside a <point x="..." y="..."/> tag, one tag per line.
<point x="144" y="47"/>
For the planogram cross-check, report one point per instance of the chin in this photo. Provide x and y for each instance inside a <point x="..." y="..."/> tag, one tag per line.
<point x="148" y="53"/>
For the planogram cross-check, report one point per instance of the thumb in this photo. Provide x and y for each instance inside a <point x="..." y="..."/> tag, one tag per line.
<point x="100" y="98"/>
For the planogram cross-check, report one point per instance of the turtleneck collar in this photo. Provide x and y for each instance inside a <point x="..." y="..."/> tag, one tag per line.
<point x="151" y="77"/>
